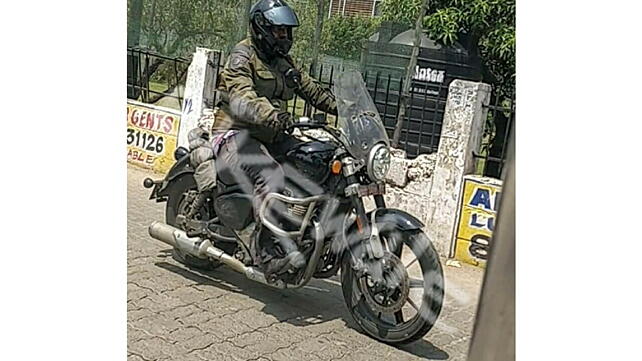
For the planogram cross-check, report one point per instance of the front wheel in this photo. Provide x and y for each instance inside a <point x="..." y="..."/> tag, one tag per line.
<point x="399" y="303"/>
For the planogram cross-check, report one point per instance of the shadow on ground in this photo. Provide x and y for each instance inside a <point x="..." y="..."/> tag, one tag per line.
<point x="318" y="302"/>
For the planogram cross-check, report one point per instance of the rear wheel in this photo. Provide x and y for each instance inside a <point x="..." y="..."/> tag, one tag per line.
<point x="176" y="205"/>
<point x="403" y="304"/>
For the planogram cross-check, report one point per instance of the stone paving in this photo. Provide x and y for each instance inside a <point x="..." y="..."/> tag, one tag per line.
<point x="176" y="313"/>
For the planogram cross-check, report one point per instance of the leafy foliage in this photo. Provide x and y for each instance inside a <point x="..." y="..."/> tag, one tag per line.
<point x="343" y="35"/>
<point x="176" y="27"/>
<point x="306" y="10"/>
<point x="401" y="11"/>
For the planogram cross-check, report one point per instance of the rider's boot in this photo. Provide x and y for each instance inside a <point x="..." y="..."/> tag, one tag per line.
<point x="264" y="242"/>
<point x="272" y="264"/>
<point x="293" y="259"/>
<point x="297" y="260"/>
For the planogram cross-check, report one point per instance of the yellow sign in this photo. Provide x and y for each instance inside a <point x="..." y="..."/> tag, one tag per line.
<point x="478" y="209"/>
<point x="151" y="136"/>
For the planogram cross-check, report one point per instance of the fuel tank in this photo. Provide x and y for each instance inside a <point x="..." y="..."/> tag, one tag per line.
<point x="312" y="159"/>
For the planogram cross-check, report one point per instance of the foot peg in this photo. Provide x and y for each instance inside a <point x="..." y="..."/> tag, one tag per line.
<point x="294" y="257"/>
<point x="297" y="260"/>
<point x="294" y="260"/>
<point x="194" y="227"/>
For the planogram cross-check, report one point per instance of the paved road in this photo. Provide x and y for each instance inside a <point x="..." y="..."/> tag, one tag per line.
<point x="175" y="313"/>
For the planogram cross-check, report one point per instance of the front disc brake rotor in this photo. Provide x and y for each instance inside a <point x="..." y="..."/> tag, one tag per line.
<point x="389" y="293"/>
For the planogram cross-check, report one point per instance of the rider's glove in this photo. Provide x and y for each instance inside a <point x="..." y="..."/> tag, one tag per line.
<point x="197" y="137"/>
<point x="282" y="120"/>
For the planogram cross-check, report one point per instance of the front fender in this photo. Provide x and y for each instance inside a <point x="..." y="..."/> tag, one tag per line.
<point x="390" y="218"/>
<point x="387" y="219"/>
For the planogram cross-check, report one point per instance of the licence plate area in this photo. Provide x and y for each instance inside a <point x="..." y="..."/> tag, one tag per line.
<point x="370" y="189"/>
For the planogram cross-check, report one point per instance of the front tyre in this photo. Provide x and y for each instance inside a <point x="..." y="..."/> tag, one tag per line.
<point x="405" y="309"/>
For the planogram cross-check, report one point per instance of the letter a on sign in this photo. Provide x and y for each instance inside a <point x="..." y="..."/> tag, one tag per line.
<point x="481" y="197"/>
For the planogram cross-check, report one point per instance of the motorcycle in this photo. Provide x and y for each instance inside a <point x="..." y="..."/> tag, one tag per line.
<point x="391" y="275"/>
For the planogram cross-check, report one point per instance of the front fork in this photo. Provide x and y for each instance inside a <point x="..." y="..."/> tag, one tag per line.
<point x="395" y="247"/>
<point x="367" y="228"/>
<point x="370" y="262"/>
<point x="380" y="202"/>
<point x="369" y="234"/>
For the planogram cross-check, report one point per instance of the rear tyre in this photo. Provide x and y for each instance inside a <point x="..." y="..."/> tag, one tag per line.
<point x="176" y="204"/>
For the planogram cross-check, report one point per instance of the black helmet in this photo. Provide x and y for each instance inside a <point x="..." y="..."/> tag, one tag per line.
<point x="266" y="14"/>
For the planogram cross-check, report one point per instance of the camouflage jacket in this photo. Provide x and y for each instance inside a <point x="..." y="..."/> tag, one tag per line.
<point x="253" y="91"/>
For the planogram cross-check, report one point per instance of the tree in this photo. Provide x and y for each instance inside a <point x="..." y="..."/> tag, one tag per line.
<point x="317" y="33"/>
<point x="401" y="11"/>
<point x="306" y="11"/>
<point x="134" y="18"/>
<point x="343" y="36"/>
<point x="176" y="27"/>
<point x="244" y="20"/>
<point x="486" y="26"/>
<point x="408" y="79"/>
<point x="340" y="36"/>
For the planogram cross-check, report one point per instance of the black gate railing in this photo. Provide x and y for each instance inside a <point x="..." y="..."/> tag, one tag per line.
<point x="500" y="121"/>
<point x="421" y="127"/>
<point x="152" y="76"/>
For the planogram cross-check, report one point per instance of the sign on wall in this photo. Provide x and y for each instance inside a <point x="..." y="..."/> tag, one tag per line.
<point x="429" y="74"/>
<point x="478" y="210"/>
<point x="151" y="135"/>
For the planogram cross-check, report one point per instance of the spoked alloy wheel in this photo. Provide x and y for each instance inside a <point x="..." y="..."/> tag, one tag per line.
<point x="402" y="302"/>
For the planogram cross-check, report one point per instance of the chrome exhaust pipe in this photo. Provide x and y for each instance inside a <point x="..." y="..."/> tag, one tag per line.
<point x="203" y="248"/>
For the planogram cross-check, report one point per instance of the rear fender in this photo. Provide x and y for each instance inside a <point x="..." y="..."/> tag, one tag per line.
<point x="181" y="167"/>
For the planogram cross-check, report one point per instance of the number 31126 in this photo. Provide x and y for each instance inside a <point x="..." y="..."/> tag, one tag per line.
<point x="145" y="141"/>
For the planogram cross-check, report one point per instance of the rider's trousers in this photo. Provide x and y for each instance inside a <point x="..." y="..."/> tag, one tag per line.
<point x="245" y="161"/>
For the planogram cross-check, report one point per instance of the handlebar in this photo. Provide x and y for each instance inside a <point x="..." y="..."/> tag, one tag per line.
<point x="308" y="125"/>
<point x="315" y="125"/>
<point x="305" y="122"/>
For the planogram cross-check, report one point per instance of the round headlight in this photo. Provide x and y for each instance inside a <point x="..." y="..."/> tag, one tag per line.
<point x="378" y="162"/>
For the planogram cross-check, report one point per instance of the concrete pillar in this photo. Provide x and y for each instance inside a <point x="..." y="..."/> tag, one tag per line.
<point x="199" y="92"/>
<point x="461" y="132"/>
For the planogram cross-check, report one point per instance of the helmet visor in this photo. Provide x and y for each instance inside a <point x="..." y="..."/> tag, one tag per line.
<point x="281" y="15"/>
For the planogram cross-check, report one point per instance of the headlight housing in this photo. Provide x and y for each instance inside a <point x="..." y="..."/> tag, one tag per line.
<point x="379" y="162"/>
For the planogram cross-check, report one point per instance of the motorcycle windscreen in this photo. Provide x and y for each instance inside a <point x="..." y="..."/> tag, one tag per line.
<point x="358" y="119"/>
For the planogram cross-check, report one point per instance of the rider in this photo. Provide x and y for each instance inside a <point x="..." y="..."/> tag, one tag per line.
<point x="255" y="85"/>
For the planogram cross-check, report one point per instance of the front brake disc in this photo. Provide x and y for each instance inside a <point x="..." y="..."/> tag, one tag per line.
<point x="390" y="292"/>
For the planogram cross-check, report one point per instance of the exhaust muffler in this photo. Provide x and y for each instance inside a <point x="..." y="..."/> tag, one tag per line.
<point x="203" y="248"/>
